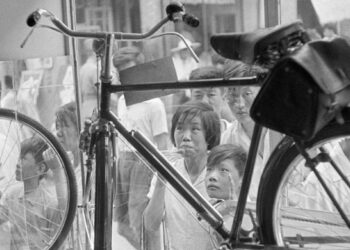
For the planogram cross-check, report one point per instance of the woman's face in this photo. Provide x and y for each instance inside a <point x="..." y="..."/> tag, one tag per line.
<point x="240" y="100"/>
<point x="67" y="135"/>
<point x="189" y="137"/>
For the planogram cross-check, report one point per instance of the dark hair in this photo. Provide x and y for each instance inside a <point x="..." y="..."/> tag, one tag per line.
<point x="228" y="151"/>
<point x="68" y="112"/>
<point x="35" y="146"/>
<point x="234" y="68"/>
<point x="209" y="118"/>
<point x="207" y="72"/>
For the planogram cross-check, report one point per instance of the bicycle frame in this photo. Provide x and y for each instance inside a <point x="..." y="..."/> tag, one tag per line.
<point x="145" y="148"/>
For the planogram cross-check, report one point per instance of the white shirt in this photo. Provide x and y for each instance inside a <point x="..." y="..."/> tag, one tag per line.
<point x="184" y="67"/>
<point x="148" y="117"/>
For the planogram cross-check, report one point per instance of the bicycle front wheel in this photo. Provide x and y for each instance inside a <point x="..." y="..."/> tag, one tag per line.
<point x="37" y="185"/>
<point x="293" y="207"/>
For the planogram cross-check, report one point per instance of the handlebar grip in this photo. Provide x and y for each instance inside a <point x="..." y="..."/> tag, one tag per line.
<point x="174" y="7"/>
<point x="33" y="18"/>
<point x="190" y="20"/>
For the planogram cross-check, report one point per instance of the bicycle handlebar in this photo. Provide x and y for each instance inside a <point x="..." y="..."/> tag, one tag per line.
<point x="34" y="18"/>
<point x="175" y="12"/>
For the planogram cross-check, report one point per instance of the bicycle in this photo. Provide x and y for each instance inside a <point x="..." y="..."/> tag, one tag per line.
<point x="282" y="167"/>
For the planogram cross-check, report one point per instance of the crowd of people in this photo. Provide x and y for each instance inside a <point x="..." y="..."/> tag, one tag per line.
<point x="207" y="143"/>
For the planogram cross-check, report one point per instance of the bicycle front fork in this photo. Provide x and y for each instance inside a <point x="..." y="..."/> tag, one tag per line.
<point x="100" y="146"/>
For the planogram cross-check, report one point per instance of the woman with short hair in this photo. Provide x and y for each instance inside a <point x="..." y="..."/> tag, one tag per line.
<point x="195" y="130"/>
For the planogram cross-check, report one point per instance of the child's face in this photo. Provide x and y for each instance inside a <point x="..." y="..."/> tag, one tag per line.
<point x="223" y="181"/>
<point x="67" y="135"/>
<point x="27" y="168"/>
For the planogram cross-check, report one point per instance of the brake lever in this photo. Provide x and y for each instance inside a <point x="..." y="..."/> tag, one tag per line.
<point x="27" y="37"/>
<point x="38" y="26"/>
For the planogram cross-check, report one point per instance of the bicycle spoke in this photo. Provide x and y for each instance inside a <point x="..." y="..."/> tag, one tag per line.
<point x="306" y="214"/>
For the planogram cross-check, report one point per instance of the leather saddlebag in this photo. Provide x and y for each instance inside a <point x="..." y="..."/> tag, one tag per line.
<point x="305" y="90"/>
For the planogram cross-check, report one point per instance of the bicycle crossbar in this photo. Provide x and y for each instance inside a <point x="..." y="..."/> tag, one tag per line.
<point x="208" y="83"/>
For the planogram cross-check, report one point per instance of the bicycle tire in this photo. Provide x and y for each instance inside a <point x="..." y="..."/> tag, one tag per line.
<point x="14" y="128"/>
<point x="289" y="207"/>
<point x="103" y="193"/>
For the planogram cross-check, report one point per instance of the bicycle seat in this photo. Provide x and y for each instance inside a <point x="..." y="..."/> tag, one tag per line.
<point x="249" y="46"/>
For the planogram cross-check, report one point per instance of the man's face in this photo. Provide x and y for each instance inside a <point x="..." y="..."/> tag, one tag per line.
<point x="212" y="96"/>
<point x="240" y="99"/>
<point x="223" y="181"/>
<point x="27" y="168"/>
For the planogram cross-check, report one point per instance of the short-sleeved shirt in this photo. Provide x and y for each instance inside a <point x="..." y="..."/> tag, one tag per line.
<point x="148" y="117"/>
<point x="33" y="219"/>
